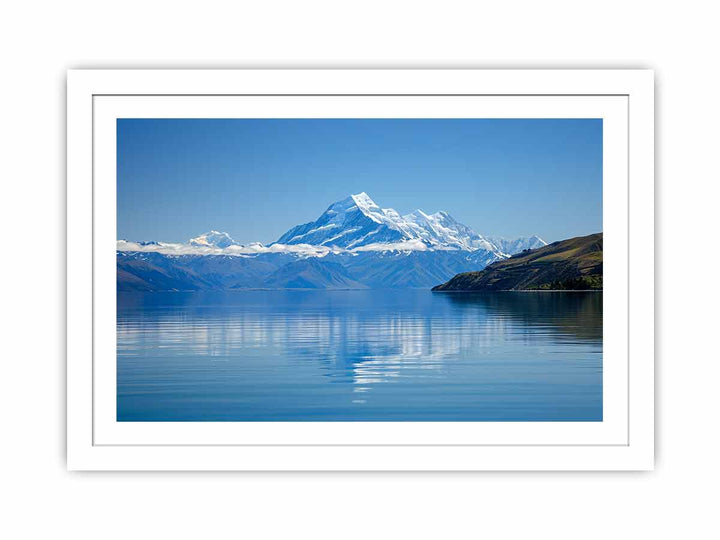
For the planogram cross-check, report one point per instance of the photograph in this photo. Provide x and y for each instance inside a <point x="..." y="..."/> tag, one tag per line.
<point x="279" y="270"/>
<point x="359" y="269"/>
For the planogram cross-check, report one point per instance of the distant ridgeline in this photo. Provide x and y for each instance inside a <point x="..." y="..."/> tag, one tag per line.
<point x="573" y="264"/>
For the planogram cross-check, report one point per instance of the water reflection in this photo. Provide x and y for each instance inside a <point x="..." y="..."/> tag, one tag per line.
<point x="569" y="314"/>
<point x="359" y="355"/>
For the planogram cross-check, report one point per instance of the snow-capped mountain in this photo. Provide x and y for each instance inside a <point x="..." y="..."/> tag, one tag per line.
<point x="213" y="239"/>
<point x="355" y="224"/>
<point x="358" y="221"/>
<point x="354" y="244"/>
<point x="352" y="222"/>
<point x="441" y="229"/>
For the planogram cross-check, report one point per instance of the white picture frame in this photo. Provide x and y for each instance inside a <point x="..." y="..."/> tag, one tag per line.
<point x="623" y="441"/>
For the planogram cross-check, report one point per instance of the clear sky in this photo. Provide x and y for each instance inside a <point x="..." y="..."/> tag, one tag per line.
<point x="255" y="179"/>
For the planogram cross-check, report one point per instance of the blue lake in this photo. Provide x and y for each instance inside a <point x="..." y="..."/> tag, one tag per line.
<point x="370" y="355"/>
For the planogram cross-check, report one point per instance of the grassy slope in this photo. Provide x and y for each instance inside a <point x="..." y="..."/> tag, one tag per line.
<point x="570" y="264"/>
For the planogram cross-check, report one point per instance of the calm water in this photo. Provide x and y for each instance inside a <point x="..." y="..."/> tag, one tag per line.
<point x="359" y="355"/>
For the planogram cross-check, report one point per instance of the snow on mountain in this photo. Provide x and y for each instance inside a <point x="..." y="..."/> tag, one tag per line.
<point x="442" y="229"/>
<point x="354" y="244"/>
<point x="352" y="222"/>
<point x="213" y="239"/>
<point x="516" y="245"/>
<point x="255" y="248"/>
<point x="358" y="222"/>
<point x="351" y="226"/>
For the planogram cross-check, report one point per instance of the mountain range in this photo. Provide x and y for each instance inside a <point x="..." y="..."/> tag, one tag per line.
<point x="353" y="244"/>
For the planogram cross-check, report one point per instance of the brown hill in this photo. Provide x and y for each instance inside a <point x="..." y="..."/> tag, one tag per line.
<point x="573" y="264"/>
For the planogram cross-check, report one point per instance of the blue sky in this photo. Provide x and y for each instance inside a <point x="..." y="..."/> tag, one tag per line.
<point x="255" y="179"/>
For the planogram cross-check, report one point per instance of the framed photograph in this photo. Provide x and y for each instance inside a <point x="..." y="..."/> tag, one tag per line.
<point x="360" y="270"/>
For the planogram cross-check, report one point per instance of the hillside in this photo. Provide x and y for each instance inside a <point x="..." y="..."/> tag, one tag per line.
<point x="573" y="264"/>
<point x="312" y="274"/>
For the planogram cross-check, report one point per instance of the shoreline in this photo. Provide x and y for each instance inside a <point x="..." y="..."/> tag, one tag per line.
<point x="465" y="291"/>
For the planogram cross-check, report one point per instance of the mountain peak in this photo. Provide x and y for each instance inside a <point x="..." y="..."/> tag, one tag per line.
<point x="213" y="239"/>
<point x="357" y="221"/>
<point x="363" y="198"/>
<point x="365" y="203"/>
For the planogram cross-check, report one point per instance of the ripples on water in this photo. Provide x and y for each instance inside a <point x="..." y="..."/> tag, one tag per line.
<point x="359" y="355"/>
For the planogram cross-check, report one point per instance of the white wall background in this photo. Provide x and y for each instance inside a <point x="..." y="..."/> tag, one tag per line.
<point x="39" y="40"/>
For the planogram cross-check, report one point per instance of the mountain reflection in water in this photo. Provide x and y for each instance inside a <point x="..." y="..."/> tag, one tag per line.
<point x="395" y="355"/>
